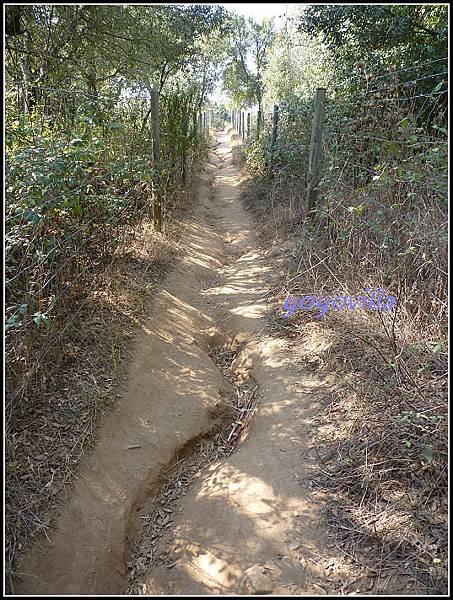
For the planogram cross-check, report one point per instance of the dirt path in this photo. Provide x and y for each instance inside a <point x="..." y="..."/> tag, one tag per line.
<point x="253" y="509"/>
<point x="249" y="523"/>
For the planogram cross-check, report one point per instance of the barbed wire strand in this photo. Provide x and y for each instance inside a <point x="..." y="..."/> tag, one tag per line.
<point x="404" y="83"/>
<point x="392" y="72"/>
<point x="410" y="144"/>
<point x="378" y="100"/>
<point x="379" y="175"/>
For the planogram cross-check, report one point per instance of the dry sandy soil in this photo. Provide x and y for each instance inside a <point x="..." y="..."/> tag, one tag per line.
<point x="246" y="519"/>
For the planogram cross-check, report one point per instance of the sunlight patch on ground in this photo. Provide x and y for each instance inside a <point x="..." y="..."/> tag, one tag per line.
<point x="210" y="569"/>
<point x="252" y="311"/>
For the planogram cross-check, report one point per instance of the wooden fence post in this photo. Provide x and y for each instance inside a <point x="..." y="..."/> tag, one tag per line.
<point x="273" y="137"/>
<point x="259" y="118"/>
<point x="157" y="206"/>
<point x="243" y="126"/>
<point x="248" y="125"/>
<point x="314" y="156"/>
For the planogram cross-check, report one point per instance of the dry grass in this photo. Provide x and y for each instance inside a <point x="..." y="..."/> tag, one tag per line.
<point x="382" y="451"/>
<point x="382" y="431"/>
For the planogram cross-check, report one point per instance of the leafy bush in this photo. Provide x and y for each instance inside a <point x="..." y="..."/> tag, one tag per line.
<point x="76" y="186"/>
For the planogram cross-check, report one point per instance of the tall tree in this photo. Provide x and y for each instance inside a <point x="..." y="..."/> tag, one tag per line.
<point x="380" y="33"/>
<point x="243" y="75"/>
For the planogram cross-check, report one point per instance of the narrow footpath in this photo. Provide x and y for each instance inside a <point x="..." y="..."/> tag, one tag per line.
<point x="248" y="523"/>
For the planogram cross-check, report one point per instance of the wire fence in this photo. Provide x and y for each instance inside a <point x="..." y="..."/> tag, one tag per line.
<point x="79" y="181"/>
<point x="365" y="128"/>
<point x="48" y="187"/>
<point x="386" y="93"/>
<point x="50" y="344"/>
<point x="390" y="72"/>
<point x="389" y="153"/>
<point x="382" y="149"/>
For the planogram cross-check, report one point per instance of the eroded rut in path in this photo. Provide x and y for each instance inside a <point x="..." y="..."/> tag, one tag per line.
<point x="158" y="513"/>
<point x="246" y="519"/>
